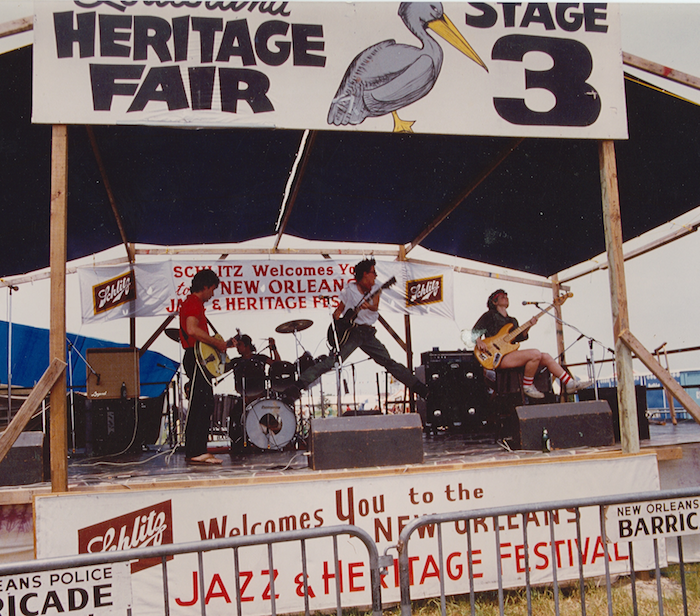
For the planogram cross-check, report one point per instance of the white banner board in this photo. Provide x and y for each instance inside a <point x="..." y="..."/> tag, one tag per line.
<point x="521" y="69"/>
<point x="289" y="286"/>
<point x="653" y="519"/>
<point x="381" y="505"/>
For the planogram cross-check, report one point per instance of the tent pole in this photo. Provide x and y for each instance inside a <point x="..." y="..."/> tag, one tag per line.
<point x="57" y="336"/>
<point x="626" y="400"/>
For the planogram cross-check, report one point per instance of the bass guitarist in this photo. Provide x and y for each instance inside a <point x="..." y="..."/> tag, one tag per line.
<point x="194" y="329"/>
<point x="493" y="320"/>
<point x="362" y="293"/>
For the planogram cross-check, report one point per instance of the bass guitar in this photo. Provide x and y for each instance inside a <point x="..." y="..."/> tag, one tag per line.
<point x="502" y="343"/>
<point x="343" y="326"/>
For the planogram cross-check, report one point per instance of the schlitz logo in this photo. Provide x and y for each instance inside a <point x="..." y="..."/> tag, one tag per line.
<point x="144" y="528"/>
<point x="115" y="292"/>
<point x="424" y="291"/>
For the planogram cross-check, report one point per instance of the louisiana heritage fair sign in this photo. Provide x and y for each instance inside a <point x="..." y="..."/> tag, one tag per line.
<point x="522" y="69"/>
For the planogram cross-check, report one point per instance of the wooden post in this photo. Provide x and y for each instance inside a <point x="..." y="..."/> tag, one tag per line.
<point x="627" y="403"/>
<point x="57" y="336"/>
<point x="559" y="330"/>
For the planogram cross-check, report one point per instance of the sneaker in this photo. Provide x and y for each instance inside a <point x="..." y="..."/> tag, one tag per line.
<point x="574" y="385"/>
<point x="532" y="392"/>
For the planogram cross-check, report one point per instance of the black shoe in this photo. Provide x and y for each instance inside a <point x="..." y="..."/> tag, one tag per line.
<point x="421" y="389"/>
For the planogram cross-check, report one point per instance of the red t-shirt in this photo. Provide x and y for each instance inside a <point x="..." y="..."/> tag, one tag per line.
<point x="191" y="307"/>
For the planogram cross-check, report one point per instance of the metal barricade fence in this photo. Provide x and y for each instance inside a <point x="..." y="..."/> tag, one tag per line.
<point x="376" y="562"/>
<point x="549" y="509"/>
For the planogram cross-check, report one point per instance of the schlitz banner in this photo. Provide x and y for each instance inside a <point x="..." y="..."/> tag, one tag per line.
<point x="255" y="286"/>
<point x="526" y="69"/>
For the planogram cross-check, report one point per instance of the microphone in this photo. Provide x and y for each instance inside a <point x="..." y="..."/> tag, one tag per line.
<point x="527" y="303"/>
<point x="324" y="296"/>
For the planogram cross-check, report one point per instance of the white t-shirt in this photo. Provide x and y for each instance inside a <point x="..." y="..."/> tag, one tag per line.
<point x="351" y="296"/>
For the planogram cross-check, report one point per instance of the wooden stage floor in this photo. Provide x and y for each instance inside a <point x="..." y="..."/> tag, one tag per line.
<point x="159" y="467"/>
<point x="445" y="449"/>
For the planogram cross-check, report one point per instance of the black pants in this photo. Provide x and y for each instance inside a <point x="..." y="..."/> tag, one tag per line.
<point x="200" y="409"/>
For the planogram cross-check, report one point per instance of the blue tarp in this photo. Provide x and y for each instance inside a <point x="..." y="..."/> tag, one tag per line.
<point x="30" y="359"/>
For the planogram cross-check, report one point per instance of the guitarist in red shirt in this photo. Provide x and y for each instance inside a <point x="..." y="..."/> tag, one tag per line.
<point x="361" y="298"/>
<point x="490" y="324"/>
<point x="194" y="329"/>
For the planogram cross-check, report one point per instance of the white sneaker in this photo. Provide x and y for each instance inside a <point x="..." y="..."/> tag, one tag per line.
<point x="532" y="392"/>
<point x="574" y="385"/>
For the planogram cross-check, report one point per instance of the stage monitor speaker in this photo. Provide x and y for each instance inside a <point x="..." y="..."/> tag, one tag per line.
<point x="572" y="424"/>
<point x="363" y="441"/>
<point x="609" y="394"/>
<point x="24" y="463"/>
<point x="114" y="367"/>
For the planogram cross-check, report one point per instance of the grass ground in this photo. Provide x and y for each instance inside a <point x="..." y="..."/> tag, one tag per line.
<point x="515" y="601"/>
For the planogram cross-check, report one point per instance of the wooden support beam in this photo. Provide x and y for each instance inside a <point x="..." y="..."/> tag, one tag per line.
<point x="110" y="195"/>
<point x="296" y="183"/>
<point x="57" y="332"/>
<point x="660" y="373"/>
<point x="393" y="333"/>
<point x="25" y="24"/>
<point x="54" y="372"/>
<point x="493" y="165"/>
<point x="660" y="70"/>
<point x="155" y="335"/>
<point x="626" y="399"/>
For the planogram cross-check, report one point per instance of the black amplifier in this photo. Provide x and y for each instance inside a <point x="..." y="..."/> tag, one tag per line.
<point x="457" y="393"/>
<point x="441" y="357"/>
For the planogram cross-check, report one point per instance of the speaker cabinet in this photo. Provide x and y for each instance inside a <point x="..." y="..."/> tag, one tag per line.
<point x="363" y="441"/>
<point x="24" y="463"/>
<point x="113" y="367"/>
<point x="118" y="426"/>
<point x="457" y="397"/>
<point x="609" y="394"/>
<point x="569" y="425"/>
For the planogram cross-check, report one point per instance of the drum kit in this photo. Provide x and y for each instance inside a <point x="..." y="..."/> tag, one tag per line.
<point x="268" y="421"/>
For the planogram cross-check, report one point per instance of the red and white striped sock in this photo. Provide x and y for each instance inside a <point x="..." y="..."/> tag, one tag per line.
<point x="528" y="381"/>
<point x="565" y="378"/>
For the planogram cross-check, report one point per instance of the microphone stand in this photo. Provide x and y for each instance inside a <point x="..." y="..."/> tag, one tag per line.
<point x="590" y="360"/>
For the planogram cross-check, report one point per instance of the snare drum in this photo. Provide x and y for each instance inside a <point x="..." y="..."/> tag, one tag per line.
<point x="270" y="423"/>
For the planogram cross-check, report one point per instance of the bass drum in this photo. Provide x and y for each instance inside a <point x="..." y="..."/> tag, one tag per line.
<point x="270" y="424"/>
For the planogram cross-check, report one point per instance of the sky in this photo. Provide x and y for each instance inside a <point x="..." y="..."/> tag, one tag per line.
<point x="662" y="288"/>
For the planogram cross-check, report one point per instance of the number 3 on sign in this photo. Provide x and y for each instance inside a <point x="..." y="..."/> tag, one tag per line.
<point x="577" y="102"/>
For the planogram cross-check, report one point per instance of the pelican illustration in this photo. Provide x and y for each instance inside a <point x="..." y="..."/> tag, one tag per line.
<point x="388" y="76"/>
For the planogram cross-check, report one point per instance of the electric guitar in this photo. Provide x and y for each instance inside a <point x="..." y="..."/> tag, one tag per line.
<point x="343" y="326"/>
<point x="210" y="358"/>
<point x="502" y="343"/>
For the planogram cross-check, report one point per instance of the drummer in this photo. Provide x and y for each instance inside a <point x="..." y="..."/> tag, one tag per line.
<point x="249" y="357"/>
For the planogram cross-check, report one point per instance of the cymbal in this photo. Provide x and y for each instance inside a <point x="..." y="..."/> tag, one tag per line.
<point x="294" y="326"/>
<point x="173" y="333"/>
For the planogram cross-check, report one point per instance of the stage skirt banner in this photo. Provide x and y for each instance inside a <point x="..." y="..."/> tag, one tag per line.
<point x="98" y="590"/>
<point x="381" y="505"/>
<point x="289" y="286"/>
<point x="520" y="69"/>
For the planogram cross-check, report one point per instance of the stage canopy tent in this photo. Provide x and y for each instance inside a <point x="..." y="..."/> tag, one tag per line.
<point x="538" y="212"/>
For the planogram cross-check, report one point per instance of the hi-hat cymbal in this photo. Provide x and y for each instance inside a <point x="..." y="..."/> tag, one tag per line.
<point x="293" y="326"/>
<point x="173" y="333"/>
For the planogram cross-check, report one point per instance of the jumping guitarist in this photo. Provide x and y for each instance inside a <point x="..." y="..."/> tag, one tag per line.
<point x="194" y="330"/>
<point x="492" y="323"/>
<point x="362" y="293"/>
